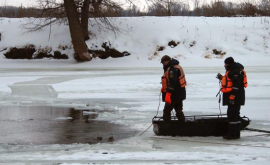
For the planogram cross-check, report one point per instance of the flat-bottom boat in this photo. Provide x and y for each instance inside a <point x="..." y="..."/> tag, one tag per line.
<point x="200" y="125"/>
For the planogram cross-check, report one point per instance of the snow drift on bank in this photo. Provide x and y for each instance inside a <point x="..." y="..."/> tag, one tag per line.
<point x="202" y="41"/>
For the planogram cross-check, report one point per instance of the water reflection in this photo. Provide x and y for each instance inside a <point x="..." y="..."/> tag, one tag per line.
<point x="40" y="125"/>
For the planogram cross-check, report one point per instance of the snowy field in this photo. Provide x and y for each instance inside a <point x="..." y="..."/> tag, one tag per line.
<point x="128" y="89"/>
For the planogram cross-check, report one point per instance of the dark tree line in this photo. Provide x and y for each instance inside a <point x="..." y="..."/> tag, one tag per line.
<point x="228" y="9"/>
<point x="108" y="8"/>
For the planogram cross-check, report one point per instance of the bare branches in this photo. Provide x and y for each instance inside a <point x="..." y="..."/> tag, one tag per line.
<point x="166" y="4"/>
<point x="36" y="24"/>
<point x="111" y="8"/>
<point x="167" y="7"/>
<point x="53" y="12"/>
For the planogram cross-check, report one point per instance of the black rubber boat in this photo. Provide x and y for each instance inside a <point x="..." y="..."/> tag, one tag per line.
<point x="201" y="125"/>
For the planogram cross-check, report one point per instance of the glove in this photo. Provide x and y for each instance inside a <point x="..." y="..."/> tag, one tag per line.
<point x="219" y="76"/>
<point x="231" y="99"/>
<point x="168" y="98"/>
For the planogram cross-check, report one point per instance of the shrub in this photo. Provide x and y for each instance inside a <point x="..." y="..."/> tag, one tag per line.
<point x="20" y="53"/>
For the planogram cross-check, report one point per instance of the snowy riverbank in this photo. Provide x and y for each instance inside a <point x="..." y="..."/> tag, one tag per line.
<point x="246" y="39"/>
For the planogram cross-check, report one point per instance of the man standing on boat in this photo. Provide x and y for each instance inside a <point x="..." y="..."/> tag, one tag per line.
<point x="173" y="88"/>
<point x="233" y="87"/>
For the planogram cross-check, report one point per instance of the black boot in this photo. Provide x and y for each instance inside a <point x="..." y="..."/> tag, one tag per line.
<point x="232" y="131"/>
<point x="167" y="118"/>
<point x="238" y="130"/>
<point x="180" y="118"/>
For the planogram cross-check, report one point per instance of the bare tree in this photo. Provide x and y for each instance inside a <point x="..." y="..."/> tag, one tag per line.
<point x="76" y="13"/>
<point x="167" y="7"/>
<point x="133" y="10"/>
<point x="231" y="8"/>
<point x="165" y="4"/>
<point x="264" y="7"/>
<point x="219" y="8"/>
<point x="248" y="8"/>
<point x="85" y="18"/>
<point x="80" y="48"/>
<point x="96" y="6"/>
<point x="196" y="4"/>
<point x="156" y="10"/>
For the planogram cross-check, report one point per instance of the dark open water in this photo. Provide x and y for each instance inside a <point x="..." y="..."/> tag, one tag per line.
<point x="41" y="125"/>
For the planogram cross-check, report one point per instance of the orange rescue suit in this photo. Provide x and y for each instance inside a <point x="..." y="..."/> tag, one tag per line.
<point x="227" y="84"/>
<point x="166" y="80"/>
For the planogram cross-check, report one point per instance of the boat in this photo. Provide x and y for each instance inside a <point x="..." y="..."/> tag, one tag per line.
<point x="198" y="125"/>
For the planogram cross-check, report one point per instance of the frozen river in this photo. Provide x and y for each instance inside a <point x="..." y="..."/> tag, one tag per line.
<point x="129" y="98"/>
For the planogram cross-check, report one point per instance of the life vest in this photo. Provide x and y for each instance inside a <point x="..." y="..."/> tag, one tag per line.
<point x="165" y="80"/>
<point x="227" y="84"/>
<point x="245" y="78"/>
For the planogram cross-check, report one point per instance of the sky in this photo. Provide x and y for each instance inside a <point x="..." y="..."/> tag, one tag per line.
<point x="16" y="2"/>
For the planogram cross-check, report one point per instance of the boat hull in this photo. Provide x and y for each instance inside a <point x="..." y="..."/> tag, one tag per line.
<point x="203" y="125"/>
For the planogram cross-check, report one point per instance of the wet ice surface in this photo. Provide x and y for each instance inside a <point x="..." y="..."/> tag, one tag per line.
<point x="51" y="125"/>
<point x="130" y="98"/>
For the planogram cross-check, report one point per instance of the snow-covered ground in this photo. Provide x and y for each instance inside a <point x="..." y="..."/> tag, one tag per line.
<point x="128" y="89"/>
<point x="246" y="39"/>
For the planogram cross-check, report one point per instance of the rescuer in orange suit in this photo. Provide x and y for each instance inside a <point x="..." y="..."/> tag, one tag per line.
<point x="233" y="85"/>
<point x="173" y="88"/>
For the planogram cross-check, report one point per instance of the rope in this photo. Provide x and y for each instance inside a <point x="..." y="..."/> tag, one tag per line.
<point x="257" y="130"/>
<point x="158" y="103"/>
<point x="219" y="98"/>
<point x="155" y="116"/>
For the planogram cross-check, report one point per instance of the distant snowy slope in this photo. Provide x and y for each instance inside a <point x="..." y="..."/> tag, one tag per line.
<point x="246" y="39"/>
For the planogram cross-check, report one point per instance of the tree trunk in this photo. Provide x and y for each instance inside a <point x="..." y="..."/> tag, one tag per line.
<point x="80" y="48"/>
<point x="84" y="19"/>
